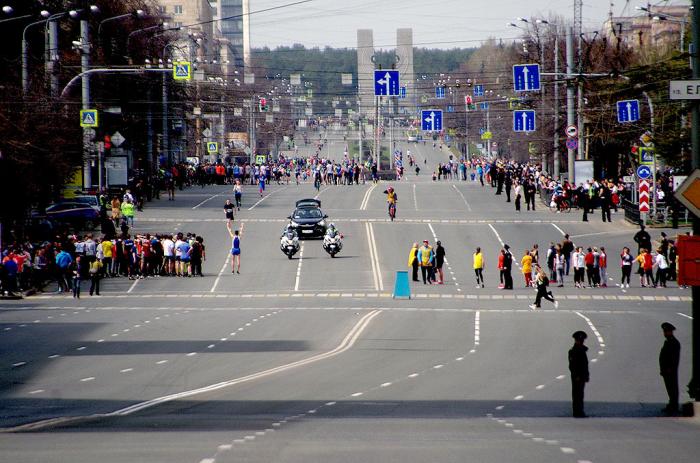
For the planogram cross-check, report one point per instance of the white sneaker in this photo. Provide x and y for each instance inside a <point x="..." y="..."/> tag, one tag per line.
<point x="478" y="286"/>
<point x="556" y="304"/>
<point x="533" y="306"/>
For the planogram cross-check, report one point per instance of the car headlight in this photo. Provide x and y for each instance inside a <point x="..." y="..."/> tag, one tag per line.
<point x="293" y="224"/>
<point x="322" y="223"/>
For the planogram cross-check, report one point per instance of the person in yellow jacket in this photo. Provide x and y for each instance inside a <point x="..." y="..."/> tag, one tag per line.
<point x="128" y="211"/>
<point x="526" y="264"/>
<point x="413" y="260"/>
<point x="478" y="258"/>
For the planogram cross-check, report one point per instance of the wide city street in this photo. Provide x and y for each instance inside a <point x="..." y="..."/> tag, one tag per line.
<point x="312" y="359"/>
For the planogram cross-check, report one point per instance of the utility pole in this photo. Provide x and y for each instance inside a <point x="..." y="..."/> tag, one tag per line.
<point x="570" y="98"/>
<point x="556" y="104"/>
<point x="52" y="56"/>
<point x="694" y="386"/>
<point x="466" y="128"/>
<point x="488" y="129"/>
<point x="85" y="66"/>
<point x="165" y="147"/>
<point x="359" y="126"/>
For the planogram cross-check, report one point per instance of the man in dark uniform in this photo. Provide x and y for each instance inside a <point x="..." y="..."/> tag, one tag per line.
<point x="643" y="239"/>
<point x="507" y="268"/>
<point x="669" y="358"/>
<point x="578" y="366"/>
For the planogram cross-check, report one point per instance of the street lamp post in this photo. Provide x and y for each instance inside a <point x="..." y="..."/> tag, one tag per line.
<point x="136" y="14"/>
<point x="25" y="50"/>
<point x="556" y="156"/>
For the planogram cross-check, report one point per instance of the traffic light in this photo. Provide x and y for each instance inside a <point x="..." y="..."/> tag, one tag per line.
<point x="108" y="142"/>
<point x="262" y="105"/>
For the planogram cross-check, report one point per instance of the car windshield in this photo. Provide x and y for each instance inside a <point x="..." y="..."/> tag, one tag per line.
<point x="85" y="200"/>
<point x="307" y="214"/>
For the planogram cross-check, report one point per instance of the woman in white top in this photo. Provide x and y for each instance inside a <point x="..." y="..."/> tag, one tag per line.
<point x="579" y="266"/>
<point x="661" y="268"/>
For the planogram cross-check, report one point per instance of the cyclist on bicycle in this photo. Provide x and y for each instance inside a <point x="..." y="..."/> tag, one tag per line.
<point x="558" y="195"/>
<point x="391" y="197"/>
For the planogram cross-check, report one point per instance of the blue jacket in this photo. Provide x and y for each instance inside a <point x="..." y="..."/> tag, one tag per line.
<point x="63" y="260"/>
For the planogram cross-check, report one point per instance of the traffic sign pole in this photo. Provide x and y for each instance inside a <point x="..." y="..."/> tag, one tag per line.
<point x="694" y="386"/>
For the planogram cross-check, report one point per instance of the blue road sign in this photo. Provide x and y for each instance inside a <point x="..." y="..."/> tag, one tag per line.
<point x="478" y="90"/>
<point x="484" y="106"/>
<point x="450" y="109"/>
<point x="386" y="83"/>
<point x="88" y="118"/>
<point x="643" y="172"/>
<point x="431" y="120"/>
<point x="403" y="92"/>
<point x="571" y="143"/>
<point x="481" y="131"/>
<point x="627" y="111"/>
<point x="524" y="121"/>
<point x="526" y="77"/>
<point x="440" y="92"/>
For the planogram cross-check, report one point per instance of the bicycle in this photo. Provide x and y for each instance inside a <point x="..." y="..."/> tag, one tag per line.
<point x="392" y="211"/>
<point x="560" y="204"/>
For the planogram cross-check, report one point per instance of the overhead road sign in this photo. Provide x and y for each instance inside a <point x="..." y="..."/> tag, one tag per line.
<point x="524" y="121"/>
<point x="643" y="196"/>
<point x="684" y="90"/>
<point x="440" y="92"/>
<point x="182" y="70"/>
<point x="89" y="118"/>
<point x="526" y="77"/>
<point x="643" y="172"/>
<point x="431" y="120"/>
<point x="689" y="193"/>
<point x="386" y="83"/>
<point x="627" y="111"/>
<point x="403" y="92"/>
<point x="646" y="155"/>
<point x="484" y="106"/>
<point x="478" y="90"/>
<point x="212" y="147"/>
<point x="450" y="109"/>
<point x="572" y="131"/>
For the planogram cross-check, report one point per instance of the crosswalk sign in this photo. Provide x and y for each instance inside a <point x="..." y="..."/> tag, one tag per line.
<point x="182" y="70"/>
<point x="88" y="118"/>
<point x="212" y="147"/>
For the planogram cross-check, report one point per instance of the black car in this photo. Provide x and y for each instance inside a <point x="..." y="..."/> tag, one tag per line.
<point x="307" y="219"/>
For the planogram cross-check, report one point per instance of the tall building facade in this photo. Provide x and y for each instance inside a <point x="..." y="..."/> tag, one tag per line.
<point x="235" y="30"/>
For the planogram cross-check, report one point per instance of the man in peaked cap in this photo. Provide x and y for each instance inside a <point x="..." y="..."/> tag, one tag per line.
<point x="578" y="366"/>
<point x="669" y="358"/>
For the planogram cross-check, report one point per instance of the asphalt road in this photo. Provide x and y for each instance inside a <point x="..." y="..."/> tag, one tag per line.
<point x="310" y="359"/>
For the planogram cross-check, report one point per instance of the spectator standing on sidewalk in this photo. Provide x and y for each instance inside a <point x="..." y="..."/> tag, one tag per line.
<point x="578" y="366"/>
<point x="669" y="359"/>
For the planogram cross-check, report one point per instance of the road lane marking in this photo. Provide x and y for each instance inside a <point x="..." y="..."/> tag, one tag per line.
<point x="365" y="200"/>
<point x="415" y="198"/>
<point x="88" y="379"/>
<point x="37" y="391"/>
<point x="469" y="208"/>
<point x="265" y="197"/>
<point x="497" y="235"/>
<point x="133" y="285"/>
<point x="319" y="193"/>
<point x="357" y="394"/>
<point x="126" y="370"/>
<point x="684" y="315"/>
<point x="558" y="228"/>
<point x="208" y="199"/>
<point x="413" y="375"/>
<point x="301" y="261"/>
<point x="376" y="271"/>
<point x="477" y="328"/>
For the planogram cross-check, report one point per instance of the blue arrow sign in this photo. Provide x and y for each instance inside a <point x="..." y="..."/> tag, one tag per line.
<point x="481" y="131"/>
<point x="643" y="172"/>
<point x="524" y="121"/>
<point x="450" y="109"/>
<point x="386" y="83"/>
<point x="484" y="106"/>
<point x="478" y="90"/>
<point x="526" y="77"/>
<point x="627" y="111"/>
<point x="403" y="92"/>
<point x="440" y="92"/>
<point x="431" y="120"/>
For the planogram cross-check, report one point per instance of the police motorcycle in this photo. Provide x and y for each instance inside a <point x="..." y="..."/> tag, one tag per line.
<point x="289" y="242"/>
<point x="332" y="241"/>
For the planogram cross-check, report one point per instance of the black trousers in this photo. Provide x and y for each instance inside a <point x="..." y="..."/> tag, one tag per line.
<point x="426" y="273"/>
<point x="577" y="388"/>
<point x="415" y="270"/>
<point x="507" y="279"/>
<point x="95" y="284"/>
<point x="606" y="213"/>
<point x="671" y="383"/>
<point x="543" y="293"/>
<point x="517" y="203"/>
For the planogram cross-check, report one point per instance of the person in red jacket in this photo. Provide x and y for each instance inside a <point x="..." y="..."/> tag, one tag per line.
<point x="589" y="261"/>
<point x="501" y="268"/>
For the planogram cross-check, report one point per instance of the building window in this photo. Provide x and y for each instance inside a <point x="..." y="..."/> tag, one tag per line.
<point x="177" y="9"/>
<point x="162" y="9"/>
<point x="177" y="24"/>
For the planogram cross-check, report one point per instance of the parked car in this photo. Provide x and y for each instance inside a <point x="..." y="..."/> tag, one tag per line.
<point x="76" y="213"/>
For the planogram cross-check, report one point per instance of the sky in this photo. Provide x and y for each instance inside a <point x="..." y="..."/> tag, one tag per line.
<point x="435" y="23"/>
